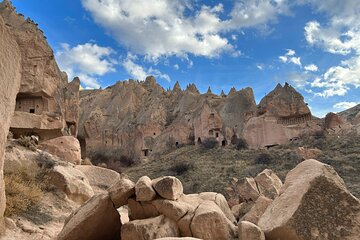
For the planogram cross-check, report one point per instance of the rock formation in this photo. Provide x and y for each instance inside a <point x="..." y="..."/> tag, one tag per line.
<point x="46" y="104"/>
<point x="141" y="119"/>
<point x="10" y="75"/>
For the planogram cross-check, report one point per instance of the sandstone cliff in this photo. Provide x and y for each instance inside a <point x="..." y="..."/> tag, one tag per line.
<point x="46" y="103"/>
<point x="141" y="119"/>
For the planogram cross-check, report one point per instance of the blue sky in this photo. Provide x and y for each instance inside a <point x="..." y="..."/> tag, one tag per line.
<point x="313" y="45"/>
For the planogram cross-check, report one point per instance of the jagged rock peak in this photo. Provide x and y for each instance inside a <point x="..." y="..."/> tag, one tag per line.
<point x="192" y="88"/>
<point x="222" y="94"/>
<point x="177" y="87"/>
<point x="232" y="91"/>
<point x="150" y="80"/>
<point x="209" y="91"/>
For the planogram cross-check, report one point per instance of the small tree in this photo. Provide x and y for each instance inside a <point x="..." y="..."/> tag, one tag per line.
<point x="210" y="143"/>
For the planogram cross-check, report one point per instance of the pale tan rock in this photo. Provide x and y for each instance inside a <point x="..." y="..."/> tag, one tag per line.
<point x="71" y="181"/>
<point x="10" y="75"/>
<point x="248" y="190"/>
<point x="308" y="153"/>
<point x="313" y="204"/>
<point x="168" y="187"/>
<point x="66" y="148"/>
<point x="257" y="210"/>
<point x="96" y="219"/>
<point x="151" y="228"/>
<point x="99" y="178"/>
<point x="141" y="210"/>
<point x="179" y="238"/>
<point x="144" y="190"/>
<point x="121" y="191"/>
<point x="241" y="209"/>
<point x="174" y="210"/>
<point x="249" y="231"/>
<point x="209" y="222"/>
<point x="268" y="183"/>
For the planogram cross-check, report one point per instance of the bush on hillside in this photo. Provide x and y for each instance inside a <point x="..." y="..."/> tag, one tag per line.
<point x="210" y="143"/>
<point x="27" y="142"/>
<point x="263" y="158"/>
<point x="241" y="144"/>
<point x="181" y="168"/>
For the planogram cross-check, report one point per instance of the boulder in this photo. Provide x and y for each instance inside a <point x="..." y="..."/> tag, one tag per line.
<point x="96" y="219"/>
<point x="66" y="148"/>
<point x="99" y="178"/>
<point x="72" y="182"/>
<point x="141" y="210"/>
<point x="241" y="209"/>
<point x="268" y="183"/>
<point x="168" y="187"/>
<point x="148" y="229"/>
<point x="257" y="210"/>
<point x="249" y="231"/>
<point x="178" y="238"/>
<point x="144" y="190"/>
<point x="174" y="210"/>
<point x="10" y="75"/>
<point x="121" y="191"/>
<point x="210" y="223"/>
<point x="308" y="153"/>
<point x="248" y="190"/>
<point x="313" y="204"/>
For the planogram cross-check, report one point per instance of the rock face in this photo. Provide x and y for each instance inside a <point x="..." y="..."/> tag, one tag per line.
<point x="313" y="204"/>
<point x="141" y="119"/>
<point x="46" y="104"/>
<point x="66" y="148"/>
<point x="96" y="219"/>
<point x="168" y="187"/>
<point x="10" y="75"/>
<point x="249" y="231"/>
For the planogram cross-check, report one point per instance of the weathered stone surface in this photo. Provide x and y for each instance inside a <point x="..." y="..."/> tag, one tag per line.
<point x="99" y="178"/>
<point x="257" y="210"/>
<point x="96" y="219"/>
<point x="241" y="209"/>
<point x="180" y="238"/>
<point x="209" y="222"/>
<point x="10" y="75"/>
<point x="121" y="191"/>
<point x="313" y="204"/>
<point x="71" y="181"/>
<point x="66" y="148"/>
<point x="174" y="210"/>
<point x="40" y="102"/>
<point x="308" y="153"/>
<point x="248" y="190"/>
<point x="148" y="229"/>
<point x="144" y="190"/>
<point x="141" y="210"/>
<point x="249" y="231"/>
<point x="168" y="187"/>
<point x="268" y="183"/>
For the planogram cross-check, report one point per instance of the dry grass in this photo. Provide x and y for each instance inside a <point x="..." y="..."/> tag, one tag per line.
<point x="23" y="190"/>
<point x="212" y="169"/>
<point x="27" y="142"/>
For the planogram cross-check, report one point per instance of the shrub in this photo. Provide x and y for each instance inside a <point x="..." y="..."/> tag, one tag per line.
<point x="263" y="158"/>
<point x="241" y="143"/>
<point x="45" y="161"/>
<point x="113" y="159"/>
<point x="181" y="168"/>
<point x="209" y="143"/>
<point x="24" y="189"/>
<point x="86" y="161"/>
<point x="27" y="142"/>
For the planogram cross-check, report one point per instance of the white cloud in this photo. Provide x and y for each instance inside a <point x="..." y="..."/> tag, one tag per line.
<point x="179" y="27"/>
<point x="345" y="105"/>
<point x="88" y="61"/>
<point x="311" y="68"/>
<point x="340" y="35"/>
<point x="289" y="57"/>
<point x="138" y="72"/>
<point x="176" y="66"/>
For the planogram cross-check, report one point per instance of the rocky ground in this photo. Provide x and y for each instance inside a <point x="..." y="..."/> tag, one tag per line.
<point x="202" y="169"/>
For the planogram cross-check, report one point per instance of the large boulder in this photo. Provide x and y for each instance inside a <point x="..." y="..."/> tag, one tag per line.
<point x="168" y="187"/>
<point x="148" y="229"/>
<point x="10" y="75"/>
<point x="268" y="183"/>
<point x="210" y="223"/>
<point x="144" y="190"/>
<point x="121" y="191"/>
<point x="66" y="148"/>
<point x="96" y="219"/>
<point x="313" y="204"/>
<point x="141" y="210"/>
<point x="249" y="231"/>
<point x="72" y="182"/>
<point x="247" y="190"/>
<point x="257" y="210"/>
<point x="99" y="178"/>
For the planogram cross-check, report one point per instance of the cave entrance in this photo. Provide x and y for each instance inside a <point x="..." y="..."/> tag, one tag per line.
<point x="145" y="152"/>
<point x="224" y="143"/>
<point x="199" y="141"/>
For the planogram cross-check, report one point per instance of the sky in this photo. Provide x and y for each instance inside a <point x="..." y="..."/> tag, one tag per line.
<point x="314" y="45"/>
